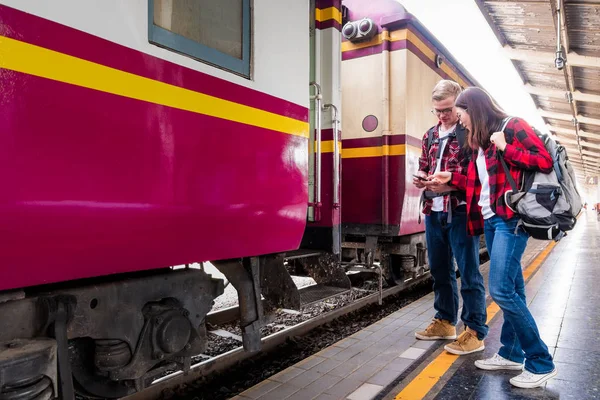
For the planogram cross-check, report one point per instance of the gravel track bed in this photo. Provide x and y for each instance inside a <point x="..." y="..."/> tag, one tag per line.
<point x="218" y="345"/>
<point x="229" y="298"/>
<point x="254" y="370"/>
<point x="281" y="319"/>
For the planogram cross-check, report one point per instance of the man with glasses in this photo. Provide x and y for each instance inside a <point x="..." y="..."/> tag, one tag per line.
<point x="446" y="231"/>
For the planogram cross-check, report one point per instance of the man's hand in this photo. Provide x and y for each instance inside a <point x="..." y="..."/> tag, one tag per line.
<point x="419" y="183"/>
<point x="440" y="177"/>
<point x="439" y="187"/>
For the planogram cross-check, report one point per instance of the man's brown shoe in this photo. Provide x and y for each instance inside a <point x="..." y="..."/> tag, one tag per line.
<point x="438" y="329"/>
<point x="466" y="343"/>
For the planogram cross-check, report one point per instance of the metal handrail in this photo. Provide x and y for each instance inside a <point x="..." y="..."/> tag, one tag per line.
<point x="336" y="154"/>
<point x="318" y="97"/>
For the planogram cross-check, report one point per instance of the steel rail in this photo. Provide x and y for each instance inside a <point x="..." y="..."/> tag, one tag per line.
<point x="224" y="361"/>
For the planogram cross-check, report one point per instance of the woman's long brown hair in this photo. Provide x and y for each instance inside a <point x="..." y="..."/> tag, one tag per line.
<point x="486" y="116"/>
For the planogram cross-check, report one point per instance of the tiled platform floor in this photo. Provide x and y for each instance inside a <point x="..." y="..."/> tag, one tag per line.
<point x="360" y="367"/>
<point x="564" y="297"/>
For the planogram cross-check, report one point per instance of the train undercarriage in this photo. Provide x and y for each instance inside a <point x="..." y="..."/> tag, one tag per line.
<point x="111" y="337"/>
<point x="105" y="339"/>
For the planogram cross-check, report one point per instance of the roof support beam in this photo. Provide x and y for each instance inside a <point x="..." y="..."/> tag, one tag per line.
<point x="573" y="59"/>
<point x="579" y="169"/>
<point x="559" y="94"/>
<point x="565" y="141"/>
<point x="568" y="117"/>
<point x="580" y="164"/>
<point x="593" y="154"/>
<point x="585" y="165"/>
<point x="571" y="131"/>
<point x="586" y="155"/>
<point x="592" y="147"/>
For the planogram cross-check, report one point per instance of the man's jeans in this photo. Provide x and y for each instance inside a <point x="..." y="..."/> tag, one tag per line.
<point x="520" y="337"/>
<point x="443" y="240"/>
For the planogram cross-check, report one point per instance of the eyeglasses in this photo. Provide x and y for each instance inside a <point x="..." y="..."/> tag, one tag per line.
<point x="445" y="111"/>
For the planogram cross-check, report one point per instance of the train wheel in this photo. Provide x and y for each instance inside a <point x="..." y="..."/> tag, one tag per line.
<point x="397" y="268"/>
<point x="36" y="388"/>
<point x="87" y="382"/>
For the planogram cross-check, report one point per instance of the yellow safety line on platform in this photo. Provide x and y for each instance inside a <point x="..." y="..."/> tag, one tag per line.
<point x="23" y="57"/>
<point x="420" y="386"/>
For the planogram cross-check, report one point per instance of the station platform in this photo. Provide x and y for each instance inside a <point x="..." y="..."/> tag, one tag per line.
<point x="385" y="361"/>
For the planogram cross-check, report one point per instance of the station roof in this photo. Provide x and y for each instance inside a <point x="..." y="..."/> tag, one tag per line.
<point x="567" y="99"/>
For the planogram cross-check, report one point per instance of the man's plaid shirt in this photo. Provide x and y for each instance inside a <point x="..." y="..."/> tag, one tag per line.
<point x="524" y="151"/>
<point x="452" y="160"/>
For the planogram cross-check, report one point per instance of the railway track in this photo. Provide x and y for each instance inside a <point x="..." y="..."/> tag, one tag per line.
<point x="212" y="366"/>
<point x="222" y="362"/>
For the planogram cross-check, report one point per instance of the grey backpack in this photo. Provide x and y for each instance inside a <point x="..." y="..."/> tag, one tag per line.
<point x="548" y="204"/>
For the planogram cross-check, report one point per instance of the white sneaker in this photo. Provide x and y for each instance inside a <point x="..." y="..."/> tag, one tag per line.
<point x="528" y="380"/>
<point x="498" y="362"/>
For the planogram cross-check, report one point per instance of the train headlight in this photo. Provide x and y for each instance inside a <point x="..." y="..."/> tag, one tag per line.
<point x="365" y="26"/>
<point x="439" y="60"/>
<point x="360" y="30"/>
<point x="349" y="31"/>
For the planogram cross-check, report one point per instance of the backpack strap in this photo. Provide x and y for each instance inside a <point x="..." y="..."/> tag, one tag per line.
<point x="513" y="184"/>
<point x="430" y="138"/>
<point x="461" y="136"/>
<point x="459" y="133"/>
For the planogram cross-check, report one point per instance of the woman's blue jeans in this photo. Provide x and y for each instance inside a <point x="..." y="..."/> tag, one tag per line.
<point x="520" y="337"/>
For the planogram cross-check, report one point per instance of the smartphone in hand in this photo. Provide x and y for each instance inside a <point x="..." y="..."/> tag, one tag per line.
<point x="419" y="177"/>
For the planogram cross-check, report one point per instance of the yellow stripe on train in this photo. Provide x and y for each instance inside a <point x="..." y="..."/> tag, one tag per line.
<point x="363" y="152"/>
<point x="34" y="60"/>
<point x="326" y="14"/>
<point x="408" y="35"/>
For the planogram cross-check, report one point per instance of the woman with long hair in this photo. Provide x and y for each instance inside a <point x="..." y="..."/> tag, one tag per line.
<point x="486" y="184"/>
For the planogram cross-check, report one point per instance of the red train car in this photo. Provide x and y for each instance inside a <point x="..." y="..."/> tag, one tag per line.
<point x="391" y="63"/>
<point x="141" y="135"/>
<point x="137" y="136"/>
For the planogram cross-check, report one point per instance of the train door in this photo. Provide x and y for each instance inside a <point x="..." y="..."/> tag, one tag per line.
<point x="314" y="90"/>
<point x="319" y="255"/>
<point x="323" y="219"/>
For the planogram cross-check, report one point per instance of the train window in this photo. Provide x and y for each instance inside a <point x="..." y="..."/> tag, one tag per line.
<point x="216" y="32"/>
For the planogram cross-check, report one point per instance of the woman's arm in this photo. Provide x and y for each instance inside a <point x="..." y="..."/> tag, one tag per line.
<point x="533" y="155"/>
